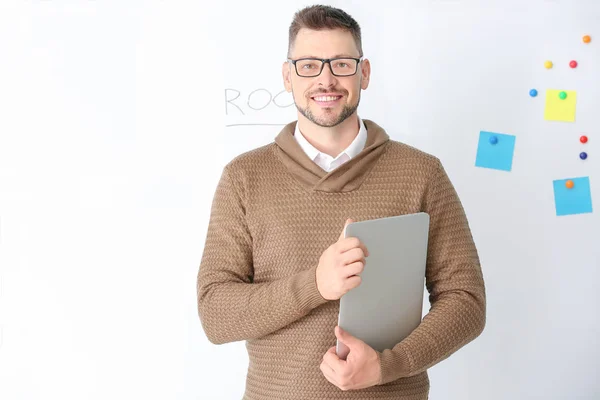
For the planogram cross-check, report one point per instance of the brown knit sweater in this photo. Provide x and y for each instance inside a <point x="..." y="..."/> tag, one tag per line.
<point x="274" y="213"/>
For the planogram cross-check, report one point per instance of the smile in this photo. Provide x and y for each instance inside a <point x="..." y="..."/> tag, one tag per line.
<point x="326" y="100"/>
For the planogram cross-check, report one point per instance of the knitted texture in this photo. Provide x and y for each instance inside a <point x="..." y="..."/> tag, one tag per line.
<point x="273" y="214"/>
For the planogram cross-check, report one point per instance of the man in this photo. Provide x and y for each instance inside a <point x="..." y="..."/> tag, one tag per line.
<point x="275" y="262"/>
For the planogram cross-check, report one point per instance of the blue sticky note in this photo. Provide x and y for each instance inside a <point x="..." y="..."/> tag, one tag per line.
<point x="577" y="200"/>
<point x="495" y="150"/>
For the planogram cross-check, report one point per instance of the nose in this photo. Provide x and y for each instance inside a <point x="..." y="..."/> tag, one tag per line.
<point x="327" y="78"/>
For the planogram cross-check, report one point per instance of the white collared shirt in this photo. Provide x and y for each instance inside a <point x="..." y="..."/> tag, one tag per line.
<point x="327" y="162"/>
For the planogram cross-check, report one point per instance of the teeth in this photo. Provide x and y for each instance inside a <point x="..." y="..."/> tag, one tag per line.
<point x="326" y="98"/>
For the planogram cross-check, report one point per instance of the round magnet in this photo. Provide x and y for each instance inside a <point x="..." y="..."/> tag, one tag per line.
<point x="548" y="64"/>
<point x="533" y="92"/>
<point x="587" y="39"/>
<point x="562" y="95"/>
<point x="583" y="139"/>
<point x="493" y="139"/>
<point x="583" y="155"/>
<point x="573" y="64"/>
<point x="569" y="184"/>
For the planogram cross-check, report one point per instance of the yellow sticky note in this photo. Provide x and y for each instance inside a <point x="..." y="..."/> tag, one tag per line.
<point x="558" y="109"/>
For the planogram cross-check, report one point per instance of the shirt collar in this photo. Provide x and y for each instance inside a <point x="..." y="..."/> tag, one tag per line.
<point x="357" y="145"/>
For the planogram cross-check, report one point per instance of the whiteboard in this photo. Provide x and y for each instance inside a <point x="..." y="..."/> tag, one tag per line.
<point x="117" y="118"/>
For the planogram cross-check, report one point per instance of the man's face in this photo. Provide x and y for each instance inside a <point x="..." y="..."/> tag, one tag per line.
<point x="308" y="92"/>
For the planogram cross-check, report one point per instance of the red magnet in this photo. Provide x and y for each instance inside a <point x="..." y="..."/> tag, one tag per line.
<point x="583" y="139"/>
<point x="573" y="64"/>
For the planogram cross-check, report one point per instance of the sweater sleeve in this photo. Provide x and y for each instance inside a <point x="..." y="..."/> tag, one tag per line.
<point x="230" y="306"/>
<point x="455" y="284"/>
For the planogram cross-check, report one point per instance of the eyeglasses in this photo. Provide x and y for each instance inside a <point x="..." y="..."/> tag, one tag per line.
<point x="311" y="67"/>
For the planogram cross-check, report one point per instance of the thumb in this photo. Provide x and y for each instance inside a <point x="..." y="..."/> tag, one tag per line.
<point x="345" y="337"/>
<point x="348" y="221"/>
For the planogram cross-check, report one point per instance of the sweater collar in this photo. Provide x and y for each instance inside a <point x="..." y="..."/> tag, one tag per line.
<point x="345" y="178"/>
<point x="351" y="151"/>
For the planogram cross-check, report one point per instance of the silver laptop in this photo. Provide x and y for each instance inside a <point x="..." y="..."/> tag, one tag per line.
<point x="388" y="304"/>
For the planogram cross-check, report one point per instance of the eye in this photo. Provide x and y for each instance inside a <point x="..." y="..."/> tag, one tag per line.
<point x="308" y="64"/>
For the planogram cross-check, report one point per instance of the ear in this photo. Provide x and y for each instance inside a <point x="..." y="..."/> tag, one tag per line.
<point x="365" y="71"/>
<point x="286" y="74"/>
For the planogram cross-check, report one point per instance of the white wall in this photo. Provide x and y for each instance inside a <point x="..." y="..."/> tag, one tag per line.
<point x="114" y="127"/>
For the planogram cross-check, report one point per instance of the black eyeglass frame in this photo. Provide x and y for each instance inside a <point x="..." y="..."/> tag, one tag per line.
<point x="326" y="61"/>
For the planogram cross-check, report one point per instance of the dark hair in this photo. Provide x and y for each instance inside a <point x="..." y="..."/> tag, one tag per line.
<point x="320" y="17"/>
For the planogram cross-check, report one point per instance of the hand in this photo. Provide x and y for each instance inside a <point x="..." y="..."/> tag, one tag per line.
<point x="360" y="370"/>
<point x="339" y="266"/>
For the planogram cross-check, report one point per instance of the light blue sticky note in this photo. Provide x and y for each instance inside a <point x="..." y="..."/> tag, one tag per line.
<point x="577" y="200"/>
<point x="498" y="155"/>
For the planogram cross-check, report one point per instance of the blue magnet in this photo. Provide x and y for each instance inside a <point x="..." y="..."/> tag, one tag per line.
<point x="533" y="92"/>
<point x="493" y="139"/>
<point x="583" y="155"/>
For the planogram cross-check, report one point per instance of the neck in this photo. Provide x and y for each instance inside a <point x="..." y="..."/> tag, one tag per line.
<point x="331" y="140"/>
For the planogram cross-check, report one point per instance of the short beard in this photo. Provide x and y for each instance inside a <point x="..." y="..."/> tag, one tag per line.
<point x="346" y="112"/>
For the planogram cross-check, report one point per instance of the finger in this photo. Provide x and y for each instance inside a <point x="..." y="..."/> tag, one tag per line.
<point x="353" y="269"/>
<point x="352" y="282"/>
<point x="352" y="256"/>
<point x="342" y="235"/>
<point x="351" y="243"/>
<point x="332" y="360"/>
<point x="328" y="373"/>
<point x="342" y="351"/>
